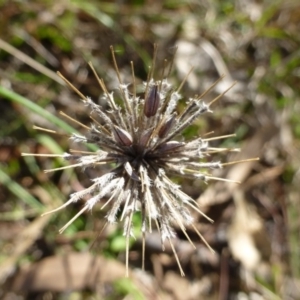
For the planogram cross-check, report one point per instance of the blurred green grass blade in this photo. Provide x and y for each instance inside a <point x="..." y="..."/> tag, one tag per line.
<point x="49" y="143"/>
<point x="17" y="215"/>
<point x="92" y="9"/>
<point x="126" y="287"/>
<point x="19" y="191"/>
<point x="10" y="95"/>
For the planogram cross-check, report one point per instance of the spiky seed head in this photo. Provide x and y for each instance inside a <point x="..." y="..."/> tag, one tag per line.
<point x="138" y="140"/>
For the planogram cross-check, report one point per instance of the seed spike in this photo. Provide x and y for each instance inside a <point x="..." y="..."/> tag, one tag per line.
<point x="240" y="161"/>
<point x="43" y="155"/>
<point x="151" y="70"/>
<point x="211" y="150"/>
<point x="148" y="207"/>
<point x="128" y="107"/>
<point x="126" y="203"/>
<point x="143" y="249"/>
<point x="200" y="212"/>
<point x="108" y="95"/>
<point x="72" y="86"/>
<point x="178" y="219"/>
<point x="116" y="116"/>
<point x="220" y="137"/>
<point x="211" y="87"/>
<point x="73" y="219"/>
<point x="134" y="95"/>
<point x="50" y="131"/>
<point x="163" y="69"/>
<point x="222" y="179"/>
<point x="108" y="201"/>
<point x="148" y="80"/>
<point x="58" y="208"/>
<point x="203" y="239"/>
<point x="222" y="94"/>
<point x="102" y="85"/>
<point x="100" y="126"/>
<point x="103" y="162"/>
<point x="95" y="73"/>
<point x="188" y="238"/>
<point x="127" y="242"/>
<point x="62" y="168"/>
<point x="155" y="132"/>
<point x="73" y="120"/>
<point x="133" y="79"/>
<point x="185" y="79"/>
<point x="124" y="97"/>
<point x="81" y="152"/>
<point x="176" y="257"/>
<point x="44" y="129"/>
<point x="115" y="64"/>
<point x="208" y="133"/>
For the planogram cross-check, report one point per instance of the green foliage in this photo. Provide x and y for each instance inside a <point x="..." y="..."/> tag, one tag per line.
<point x="126" y="287"/>
<point x="54" y="36"/>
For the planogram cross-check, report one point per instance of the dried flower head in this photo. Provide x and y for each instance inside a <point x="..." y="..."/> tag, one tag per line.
<point x="139" y="141"/>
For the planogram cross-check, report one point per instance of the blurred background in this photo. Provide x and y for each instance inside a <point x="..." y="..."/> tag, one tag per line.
<point x="256" y="230"/>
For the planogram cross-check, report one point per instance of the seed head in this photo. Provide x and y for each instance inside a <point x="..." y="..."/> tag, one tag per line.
<point x="140" y="140"/>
